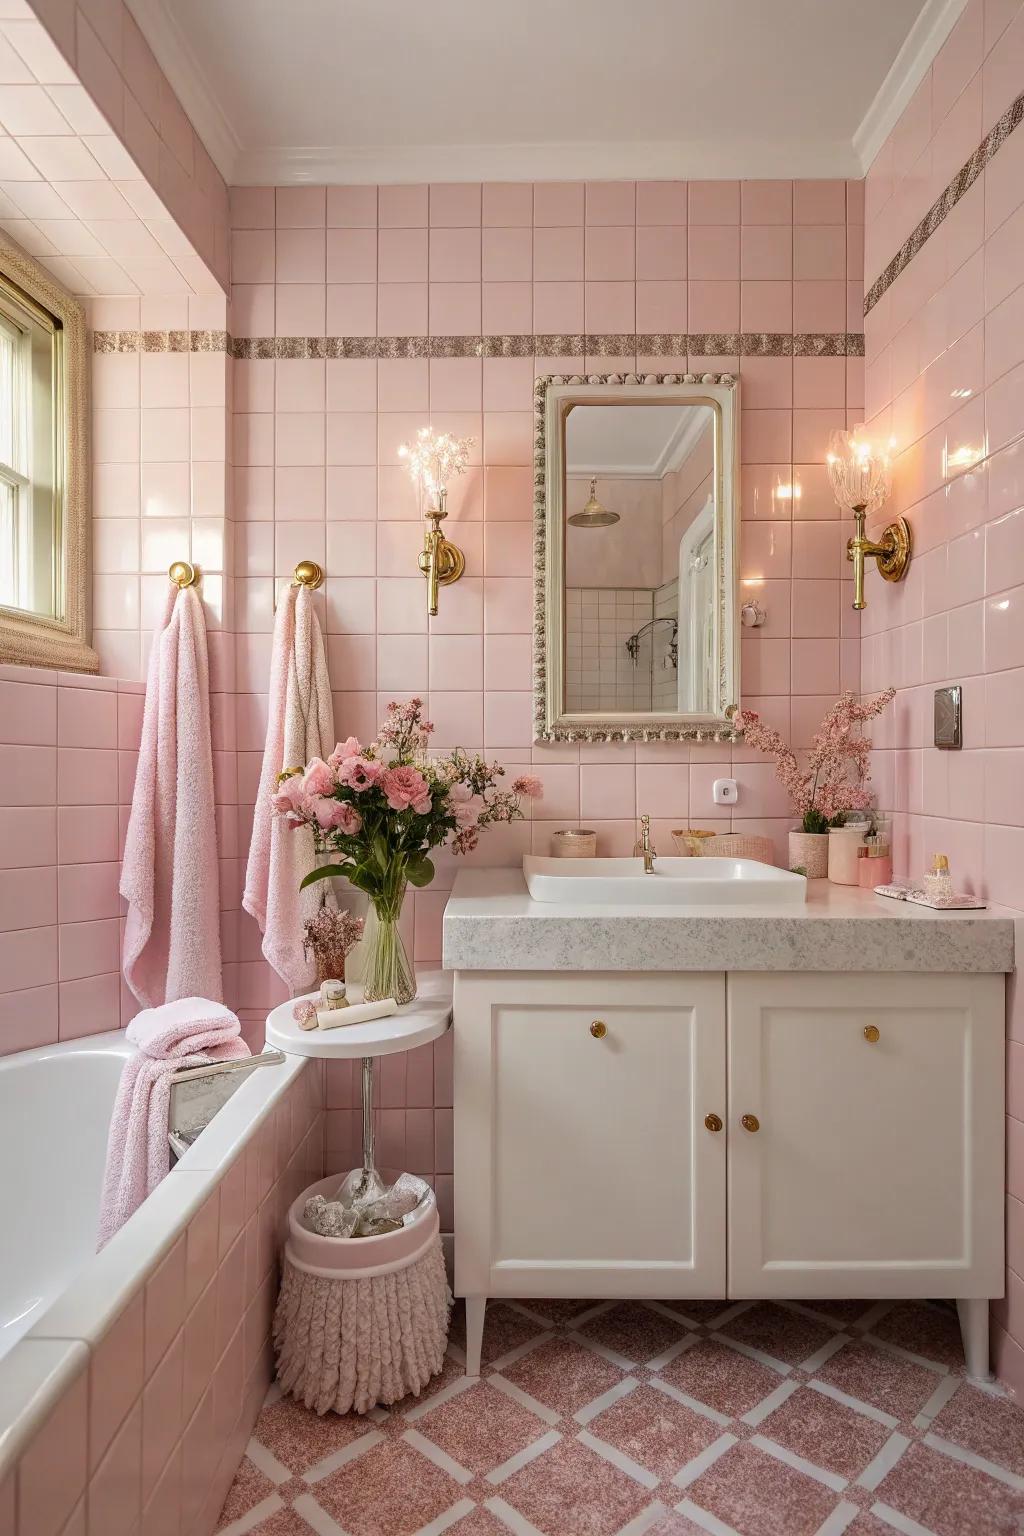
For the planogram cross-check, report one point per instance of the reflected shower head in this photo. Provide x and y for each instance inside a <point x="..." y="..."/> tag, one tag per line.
<point x="593" y="514"/>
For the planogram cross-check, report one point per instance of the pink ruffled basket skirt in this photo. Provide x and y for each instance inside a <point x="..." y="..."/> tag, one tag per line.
<point x="361" y="1321"/>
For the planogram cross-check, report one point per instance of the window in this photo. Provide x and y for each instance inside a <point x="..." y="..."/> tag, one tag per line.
<point x="43" y="473"/>
<point x="31" y="346"/>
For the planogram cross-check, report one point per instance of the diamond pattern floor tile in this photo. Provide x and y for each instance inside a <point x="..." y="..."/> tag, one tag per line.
<point x="759" y="1495"/>
<point x="563" y="1441"/>
<point x="824" y="1432"/>
<point x="572" y="1477"/>
<point x="654" y="1430"/>
<point x="949" y="1498"/>
<point x="563" y="1375"/>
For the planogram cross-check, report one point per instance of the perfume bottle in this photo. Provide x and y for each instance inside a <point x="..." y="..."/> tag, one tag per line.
<point x="938" y="883"/>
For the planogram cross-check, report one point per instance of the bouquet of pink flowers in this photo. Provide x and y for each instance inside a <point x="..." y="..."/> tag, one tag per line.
<point x="835" y="776"/>
<point x="379" y="809"/>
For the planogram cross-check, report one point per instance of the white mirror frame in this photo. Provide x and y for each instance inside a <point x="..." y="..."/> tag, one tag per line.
<point x="554" y="395"/>
<point x="32" y="639"/>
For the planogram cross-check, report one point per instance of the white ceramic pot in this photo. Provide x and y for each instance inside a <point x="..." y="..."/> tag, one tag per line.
<point x="809" y="851"/>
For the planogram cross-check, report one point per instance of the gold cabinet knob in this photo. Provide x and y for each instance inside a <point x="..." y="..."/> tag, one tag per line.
<point x="599" y="1029"/>
<point x="713" y="1122"/>
<point x="750" y="1123"/>
<point x="871" y="1033"/>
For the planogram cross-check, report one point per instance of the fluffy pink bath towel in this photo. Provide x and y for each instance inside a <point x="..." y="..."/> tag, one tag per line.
<point x="185" y="1033"/>
<point x="300" y="727"/>
<point x="170" y="874"/>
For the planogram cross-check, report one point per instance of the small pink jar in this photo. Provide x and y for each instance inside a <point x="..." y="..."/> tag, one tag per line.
<point x="876" y="870"/>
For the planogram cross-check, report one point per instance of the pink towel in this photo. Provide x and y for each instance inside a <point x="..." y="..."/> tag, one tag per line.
<point x="300" y="727"/>
<point x="170" y="875"/>
<point x="185" y="1033"/>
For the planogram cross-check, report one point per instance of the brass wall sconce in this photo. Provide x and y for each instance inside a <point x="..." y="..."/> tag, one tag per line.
<point x="432" y="460"/>
<point x="861" y="478"/>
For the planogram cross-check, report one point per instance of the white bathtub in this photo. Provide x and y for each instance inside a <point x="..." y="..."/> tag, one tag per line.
<point x="84" y="1335"/>
<point x="55" y="1106"/>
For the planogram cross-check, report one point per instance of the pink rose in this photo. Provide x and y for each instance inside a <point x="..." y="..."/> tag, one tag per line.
<point x="345" y="749"/>
<point x="290" y="796"/>
<point x="528" y="785"/>
<point x="336" y="816"/>
<point x="359" y="772"/>
<point x="460" y="793"/>
<point x="405" y="787"/>
<point x="318" y="778"/>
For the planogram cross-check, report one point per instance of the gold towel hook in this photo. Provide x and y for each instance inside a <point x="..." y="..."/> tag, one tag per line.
<point x="183" y="574"/>
<point x="308" y="574"/>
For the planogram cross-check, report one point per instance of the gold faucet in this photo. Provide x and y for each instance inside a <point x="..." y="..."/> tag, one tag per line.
<point x="892" y="552"/>
<point x="440" y="561"/>
<point x="642" y="847"/>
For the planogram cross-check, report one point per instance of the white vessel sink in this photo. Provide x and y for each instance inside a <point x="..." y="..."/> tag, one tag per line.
<point x="674" y="882"/>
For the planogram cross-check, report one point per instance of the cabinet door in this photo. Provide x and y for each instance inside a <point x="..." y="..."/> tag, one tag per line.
<point x="583" y="1165"/>
<point x="876" y="1169"/>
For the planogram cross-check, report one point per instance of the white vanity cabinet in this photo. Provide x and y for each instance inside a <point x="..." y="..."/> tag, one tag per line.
<point x="583" y="1163"/>
<point x="876" y="1165"/>
<point x="688" y="1134"/>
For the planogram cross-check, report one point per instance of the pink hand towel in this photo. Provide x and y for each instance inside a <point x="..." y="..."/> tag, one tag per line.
<point x="300" y="727"/>
<point x="185" y="1033"/>
<point x="169" y="875"/>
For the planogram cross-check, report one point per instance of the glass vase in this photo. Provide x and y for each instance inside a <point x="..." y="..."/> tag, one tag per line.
<point x="387" y="970"/>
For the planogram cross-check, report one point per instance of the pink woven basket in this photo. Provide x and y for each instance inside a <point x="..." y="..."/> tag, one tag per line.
<point x="740" y="845"/>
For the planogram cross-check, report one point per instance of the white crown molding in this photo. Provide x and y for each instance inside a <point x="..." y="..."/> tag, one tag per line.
<point x="162" y="31"/>
<point x="389" y="164"/>
<point x="935" y="22"/>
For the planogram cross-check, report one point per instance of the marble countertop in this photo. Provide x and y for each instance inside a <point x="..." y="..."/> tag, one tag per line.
<point x="491" y="923"/>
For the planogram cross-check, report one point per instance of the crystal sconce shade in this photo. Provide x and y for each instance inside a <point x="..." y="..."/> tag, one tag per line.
<point x="432" y="459"/>
<point x="861" y="477"/>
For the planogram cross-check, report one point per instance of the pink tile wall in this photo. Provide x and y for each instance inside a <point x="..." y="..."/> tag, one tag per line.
<point x="148" y="1434"/>
<point x="104" y="46"/>
<point x="945" y="367"/>
<point x="160" y="482"/>
<point x="68" y="749"/>
<point x="317" y="476"/>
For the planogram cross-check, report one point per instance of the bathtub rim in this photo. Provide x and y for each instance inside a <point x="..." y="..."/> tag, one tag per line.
<point x="48" y="1359"/>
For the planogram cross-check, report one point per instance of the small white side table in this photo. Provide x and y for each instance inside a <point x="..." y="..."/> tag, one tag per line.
<point x="426" y="1018"/>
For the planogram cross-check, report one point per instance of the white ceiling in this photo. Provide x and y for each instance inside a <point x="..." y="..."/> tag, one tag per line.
<point x="626" y="440"/>
<point x="387" y="91"/>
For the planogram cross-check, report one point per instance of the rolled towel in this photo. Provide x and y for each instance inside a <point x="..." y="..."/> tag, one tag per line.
<point x="355" y="1013"/>
<point x="186" y="1033"/>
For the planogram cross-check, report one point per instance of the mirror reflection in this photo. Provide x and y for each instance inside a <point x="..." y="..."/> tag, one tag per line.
<point x="640" y="580"/>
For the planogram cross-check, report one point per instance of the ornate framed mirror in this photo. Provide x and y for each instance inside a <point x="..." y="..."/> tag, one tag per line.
<point x="636" y="620"/>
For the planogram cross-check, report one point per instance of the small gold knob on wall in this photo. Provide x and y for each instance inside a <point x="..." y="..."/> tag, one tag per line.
<point x="713" y="1122"/>
<point x="599" y="1029"/>
<point x="871" y="1033"/>
<point x="750" y="1123"/>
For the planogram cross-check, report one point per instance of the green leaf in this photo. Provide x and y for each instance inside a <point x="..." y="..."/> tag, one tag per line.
<point x="324" y="872"/>
<point x="420" y="871"/>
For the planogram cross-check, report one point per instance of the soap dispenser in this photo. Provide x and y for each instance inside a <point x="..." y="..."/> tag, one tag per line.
<point x="938" y="882"/>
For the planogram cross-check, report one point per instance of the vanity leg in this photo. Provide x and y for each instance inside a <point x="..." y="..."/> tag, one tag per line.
<point x="973" y="1315"/>
<point x="476" y="1306"/>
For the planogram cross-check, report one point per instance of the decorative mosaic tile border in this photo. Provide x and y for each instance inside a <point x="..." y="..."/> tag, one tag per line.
<point x="944" y="204"/>
<point x="661" y="344"/>
<point x="161" y="341"/>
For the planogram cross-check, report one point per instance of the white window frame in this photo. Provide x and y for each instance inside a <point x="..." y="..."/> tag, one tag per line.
<point x="58" y="638"/>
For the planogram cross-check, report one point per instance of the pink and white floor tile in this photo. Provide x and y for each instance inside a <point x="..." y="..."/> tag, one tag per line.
<point x="660" y="1419"/>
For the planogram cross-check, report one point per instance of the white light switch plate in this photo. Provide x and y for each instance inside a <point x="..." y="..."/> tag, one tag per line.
<point x="725" y="791"/>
